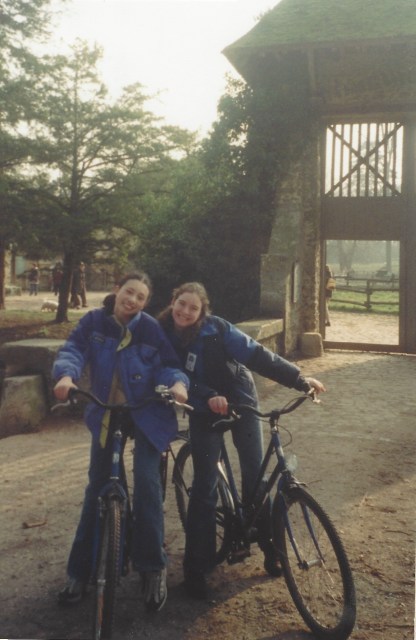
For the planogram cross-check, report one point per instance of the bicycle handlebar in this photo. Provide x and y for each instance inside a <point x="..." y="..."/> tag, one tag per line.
<point x="294" y="403"/>
<point x="162" y="395"/>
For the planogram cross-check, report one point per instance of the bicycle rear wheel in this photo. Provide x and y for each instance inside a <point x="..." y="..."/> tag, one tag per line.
<point x="108" y="570"/>
<point x="315" y="565"/>
<point x="183" y="475"/>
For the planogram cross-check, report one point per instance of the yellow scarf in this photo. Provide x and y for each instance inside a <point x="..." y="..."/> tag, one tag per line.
<point x="115" y="389"/>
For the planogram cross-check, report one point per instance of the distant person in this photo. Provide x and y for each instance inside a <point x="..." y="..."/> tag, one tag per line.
<point x="330" y="284"/>
<point x="57" y="275"/>
<point x="78" y="287"/>
<point x="33" y="280"/>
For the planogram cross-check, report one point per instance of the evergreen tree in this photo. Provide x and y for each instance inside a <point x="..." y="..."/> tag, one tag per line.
<point x="93" y="161"/>
<point x="22" y="23"/>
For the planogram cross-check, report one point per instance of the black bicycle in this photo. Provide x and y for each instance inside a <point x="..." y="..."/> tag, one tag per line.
<point x="313" y="558"/>
<point x="114" y="510"/>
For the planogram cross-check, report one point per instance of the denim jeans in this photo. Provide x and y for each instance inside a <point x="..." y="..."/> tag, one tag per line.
<point x="147" y="550"/>
<point x="200" y="549"/>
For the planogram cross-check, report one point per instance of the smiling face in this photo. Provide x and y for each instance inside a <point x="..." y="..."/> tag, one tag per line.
<point x="131" y="298"/>
<point x="186" y="310"/>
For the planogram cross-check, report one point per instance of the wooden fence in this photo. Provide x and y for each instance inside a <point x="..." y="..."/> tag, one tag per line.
<point x="367" y="287"/>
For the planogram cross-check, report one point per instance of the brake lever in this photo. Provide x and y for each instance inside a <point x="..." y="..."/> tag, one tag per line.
<point x="169" y="398"/>
<point x="232" y="417"/>
<point x="314" y="396"/>
<point x="71" y="402"/>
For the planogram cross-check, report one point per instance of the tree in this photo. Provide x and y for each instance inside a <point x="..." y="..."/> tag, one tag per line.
<point x="21" y="22"/>
<point x="93" y="161"/>
<point x="217" y="221"/>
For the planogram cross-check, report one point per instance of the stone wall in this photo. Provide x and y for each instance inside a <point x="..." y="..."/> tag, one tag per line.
<point x="290" y="270"/>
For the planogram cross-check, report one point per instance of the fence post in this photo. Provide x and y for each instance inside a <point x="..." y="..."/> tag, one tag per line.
<point x="368" y="292"/>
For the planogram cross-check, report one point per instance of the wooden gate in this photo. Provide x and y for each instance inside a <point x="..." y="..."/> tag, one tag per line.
<point x="368" y="179"/>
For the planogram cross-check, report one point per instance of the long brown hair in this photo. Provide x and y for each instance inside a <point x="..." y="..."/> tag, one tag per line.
<point x="165" y="316"/>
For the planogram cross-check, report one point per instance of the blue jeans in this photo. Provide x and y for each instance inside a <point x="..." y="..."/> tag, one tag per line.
<point x="147" y="550"/>
<point x="200" y="548"/>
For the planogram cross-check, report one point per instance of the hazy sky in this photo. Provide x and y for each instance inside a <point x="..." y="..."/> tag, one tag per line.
<point x="170" y="46"/>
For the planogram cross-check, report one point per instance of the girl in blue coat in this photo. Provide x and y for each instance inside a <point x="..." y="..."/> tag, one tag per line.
<point x="218" y="358"/>
<point x="128" y="355"/>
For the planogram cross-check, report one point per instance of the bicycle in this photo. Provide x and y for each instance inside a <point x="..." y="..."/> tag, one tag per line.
<point x="314" y="562"/>
<point x="114" y="510"/>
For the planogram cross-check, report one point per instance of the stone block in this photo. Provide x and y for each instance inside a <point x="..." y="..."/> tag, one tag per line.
<point x="23" y="404"/>
<point x="30" y="357"/>
<point x="269" y="333"/>
<point x="311" y="344"/>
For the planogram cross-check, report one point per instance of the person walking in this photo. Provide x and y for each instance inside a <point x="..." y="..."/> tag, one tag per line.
<point x="78" y="287"/>
<point x="33" y="280"/>
<point x="219" y="358"/>
<point x="330" y="284"/>
<point x="128" y="356"/>
<point x="57" y="275"/>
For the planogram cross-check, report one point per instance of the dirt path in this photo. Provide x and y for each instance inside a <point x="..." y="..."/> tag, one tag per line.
<point x="357" y="453"/>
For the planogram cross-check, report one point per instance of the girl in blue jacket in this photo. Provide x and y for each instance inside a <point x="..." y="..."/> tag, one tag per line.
<point x="218" y="358"/>
<point x="128" y="355"/>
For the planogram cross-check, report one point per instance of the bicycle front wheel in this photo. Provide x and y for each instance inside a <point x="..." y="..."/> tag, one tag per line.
<point x="183" y="475"/>
<point x="315" y="565"/>
<point x="108" y="569"/>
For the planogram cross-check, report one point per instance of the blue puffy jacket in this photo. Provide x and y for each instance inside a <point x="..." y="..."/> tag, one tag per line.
<point x="147" y="361"/>
<point x="219" y="360"/>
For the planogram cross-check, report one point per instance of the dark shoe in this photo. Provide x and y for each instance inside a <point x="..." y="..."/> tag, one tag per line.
<point x="72" y="593"/>
<point x="195" y="585"/>
<point x="272" y="564"/>
<point x="155" y="589"/>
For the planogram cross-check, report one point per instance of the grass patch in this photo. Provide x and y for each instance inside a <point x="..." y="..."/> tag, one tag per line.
<point x="382" y="302"/>
<point x="23" y="325"/>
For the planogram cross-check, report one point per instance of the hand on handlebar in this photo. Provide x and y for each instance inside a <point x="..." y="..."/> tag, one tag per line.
<point x="316" y="385"/>
<point x="179" y="392"/>
<point x="218" y="404"/>
<point x="62" y="387"/>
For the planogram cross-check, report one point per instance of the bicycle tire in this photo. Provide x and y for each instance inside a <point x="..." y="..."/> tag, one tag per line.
<point x="108" y="570"/>
<point x="183" y="473"/>
<point x="320" y="582"/>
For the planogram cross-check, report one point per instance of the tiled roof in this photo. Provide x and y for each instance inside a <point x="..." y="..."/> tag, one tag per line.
<point x="318" y="22"/>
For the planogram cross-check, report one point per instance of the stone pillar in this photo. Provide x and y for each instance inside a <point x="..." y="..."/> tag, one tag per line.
<point x="290" y="271"/>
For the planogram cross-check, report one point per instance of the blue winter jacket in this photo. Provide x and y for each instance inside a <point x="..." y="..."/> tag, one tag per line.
<point x="219" y="360"/>
<point x="147" y="361"/>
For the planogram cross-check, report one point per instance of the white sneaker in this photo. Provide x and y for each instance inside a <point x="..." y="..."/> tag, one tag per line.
<point x="154" y="589"/>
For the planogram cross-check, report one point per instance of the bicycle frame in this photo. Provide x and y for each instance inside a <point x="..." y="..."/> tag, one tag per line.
<point x="115" y="488"/>
<point x="261" y="490"/>
<point x="279" y="478"/>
